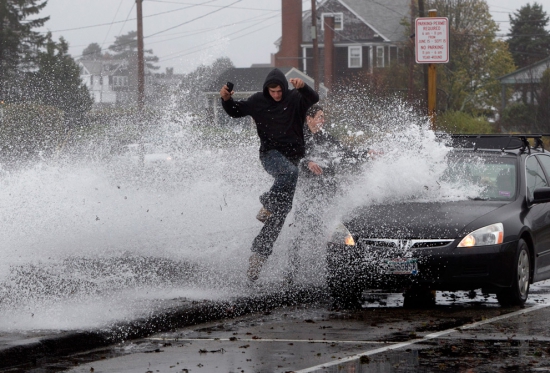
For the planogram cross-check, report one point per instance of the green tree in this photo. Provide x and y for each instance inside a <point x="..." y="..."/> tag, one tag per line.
<point x="519" y="117"/>
<point x="125" y="48"/>
<point x="529" y="40"/>
<point x="469" y="80"/>
<point x="18" y="42"/>
<point x="92" y="52"/>
<point x="57" y="81"/>
<point x="459" y="122"/>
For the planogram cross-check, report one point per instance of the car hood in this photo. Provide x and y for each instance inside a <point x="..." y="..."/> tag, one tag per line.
<point x="425" y="220"/>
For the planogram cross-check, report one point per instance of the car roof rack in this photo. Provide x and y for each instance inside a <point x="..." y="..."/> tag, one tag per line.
<point x="499" y="141"/>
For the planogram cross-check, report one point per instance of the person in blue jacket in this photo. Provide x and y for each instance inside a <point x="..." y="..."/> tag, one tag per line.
<point x="279" y="114"/>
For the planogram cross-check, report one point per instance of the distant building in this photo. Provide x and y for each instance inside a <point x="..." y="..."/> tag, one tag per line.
<point x="365" y="37"/>
<point x="114" y="82"/>
<point x="525" y="81"/>
<point x="261" y="65"/>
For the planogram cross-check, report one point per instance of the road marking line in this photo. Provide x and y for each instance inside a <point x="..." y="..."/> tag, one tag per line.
<point x="264" y="340"/>
<point x="425" y="338"/>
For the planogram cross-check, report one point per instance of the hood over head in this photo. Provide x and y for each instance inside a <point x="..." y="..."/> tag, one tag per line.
<point x="276" y="76"/>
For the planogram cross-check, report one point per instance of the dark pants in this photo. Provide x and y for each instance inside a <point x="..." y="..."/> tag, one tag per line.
<point x="278" y="200"/>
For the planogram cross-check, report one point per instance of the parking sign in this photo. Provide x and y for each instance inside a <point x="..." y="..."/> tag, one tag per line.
<point x="432" y="40"/>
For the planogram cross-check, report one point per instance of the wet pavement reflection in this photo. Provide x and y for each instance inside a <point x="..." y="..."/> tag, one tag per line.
<point x="463" y="333"/>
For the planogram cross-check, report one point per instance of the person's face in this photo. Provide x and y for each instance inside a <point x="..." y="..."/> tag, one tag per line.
<point x="276" y="93"/>
<point x="316" y="123"/>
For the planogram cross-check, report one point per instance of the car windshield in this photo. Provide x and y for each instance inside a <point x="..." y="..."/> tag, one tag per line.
<point x="493" y="177"/>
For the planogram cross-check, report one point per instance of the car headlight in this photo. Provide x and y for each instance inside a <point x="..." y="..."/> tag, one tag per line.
<point x="490" y="235"/>
<point x="342" y="235"/>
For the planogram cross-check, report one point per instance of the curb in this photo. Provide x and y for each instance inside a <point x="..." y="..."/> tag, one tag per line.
<point x="29" y="355"/>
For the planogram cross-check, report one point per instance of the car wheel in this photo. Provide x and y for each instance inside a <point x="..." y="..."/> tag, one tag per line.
<point x="419" y="297"/>
<point x="516" y="295"/>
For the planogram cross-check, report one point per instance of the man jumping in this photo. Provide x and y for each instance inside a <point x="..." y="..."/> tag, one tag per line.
<point x="279" y="114"/>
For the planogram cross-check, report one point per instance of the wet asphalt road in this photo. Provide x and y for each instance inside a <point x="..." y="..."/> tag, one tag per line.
<point x="461" y="334"/>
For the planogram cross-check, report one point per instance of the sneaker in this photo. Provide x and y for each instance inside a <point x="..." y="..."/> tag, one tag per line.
<point x="263" y="214"/>
<point x="255" y="266"/>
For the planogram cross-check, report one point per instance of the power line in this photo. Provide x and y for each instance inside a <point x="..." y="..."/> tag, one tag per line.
<point x="128" y="16"/>
<point x="107" y="34"/>
<point x="197" y="32"/>
<point x="212" y="6"/>
<point x="236" y="32"/>
<point x="131" y="19"/>
<point x="194" y="19"/>
<point x="220" y="7"/>
<point x="212" y="46"/>
<point x="200" y="31"/>
<point x="233" y="33"/>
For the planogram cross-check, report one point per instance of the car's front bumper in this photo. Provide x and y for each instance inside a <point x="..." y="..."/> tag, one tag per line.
<point x="442" y="268"/>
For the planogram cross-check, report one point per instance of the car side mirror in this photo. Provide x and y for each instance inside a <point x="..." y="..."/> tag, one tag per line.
<point x="541" y="195"/>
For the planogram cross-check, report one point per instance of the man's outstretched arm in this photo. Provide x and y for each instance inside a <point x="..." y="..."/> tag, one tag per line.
<point x="308" y="94"/>
<point x="233" y="108"/>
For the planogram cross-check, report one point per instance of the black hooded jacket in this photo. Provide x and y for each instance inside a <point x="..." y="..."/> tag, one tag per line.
<point x="279" y="124"/>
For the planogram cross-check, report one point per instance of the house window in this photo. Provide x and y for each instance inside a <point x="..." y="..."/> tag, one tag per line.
<point x="355" y="57"/>
<point x="379" y="56"/>
<point x="120" y="81"/>
<point x="338" y="20"/>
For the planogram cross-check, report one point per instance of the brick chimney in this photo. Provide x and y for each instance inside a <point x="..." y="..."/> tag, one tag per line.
<point x="289" y="51"/>
<point x="329" y="51"/>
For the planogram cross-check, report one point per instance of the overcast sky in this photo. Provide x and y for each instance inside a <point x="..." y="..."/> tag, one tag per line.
<point x="187" y="33"/>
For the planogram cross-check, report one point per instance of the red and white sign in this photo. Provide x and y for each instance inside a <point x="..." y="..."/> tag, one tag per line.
<point x="432" y="40"/>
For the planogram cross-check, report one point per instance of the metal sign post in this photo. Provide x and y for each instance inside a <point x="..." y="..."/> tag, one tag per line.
<point x="432" y="47"/>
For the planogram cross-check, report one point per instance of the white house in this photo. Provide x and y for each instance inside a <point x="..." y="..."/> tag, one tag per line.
<point x="111" y="81"/>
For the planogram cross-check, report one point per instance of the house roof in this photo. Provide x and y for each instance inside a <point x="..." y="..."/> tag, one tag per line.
<point x="99" y="67"/>
<point x="106" y="67"/>
<point x="527" y="74"/>
<point x="249" y="80"/>
<point x="382" y="16"/>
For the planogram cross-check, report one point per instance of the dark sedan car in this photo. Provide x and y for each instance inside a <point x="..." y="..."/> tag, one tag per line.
<point x="497" y="241"/>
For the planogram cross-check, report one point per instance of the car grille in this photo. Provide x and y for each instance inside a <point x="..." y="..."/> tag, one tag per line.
<point x="404" y="245"/>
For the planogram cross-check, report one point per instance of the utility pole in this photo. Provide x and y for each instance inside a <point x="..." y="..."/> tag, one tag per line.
<point x="315" y="44"/>
<point x="141" y="67"/>
<point x="411" y="58"/>
<point x="141" y="82"/>
<point x="329" y="51"/>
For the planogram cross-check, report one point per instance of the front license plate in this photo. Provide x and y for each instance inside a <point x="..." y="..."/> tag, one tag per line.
<point x="405" y="266"/>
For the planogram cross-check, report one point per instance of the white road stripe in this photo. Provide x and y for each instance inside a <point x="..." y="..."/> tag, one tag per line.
<point x="264" y="340"/>
<point x="425" y="338"/>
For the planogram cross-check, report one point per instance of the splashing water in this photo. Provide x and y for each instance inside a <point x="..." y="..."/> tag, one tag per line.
<point x="79" y="232"/>
<point x="410" y="165"/>
<point x="86" y="243"/>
